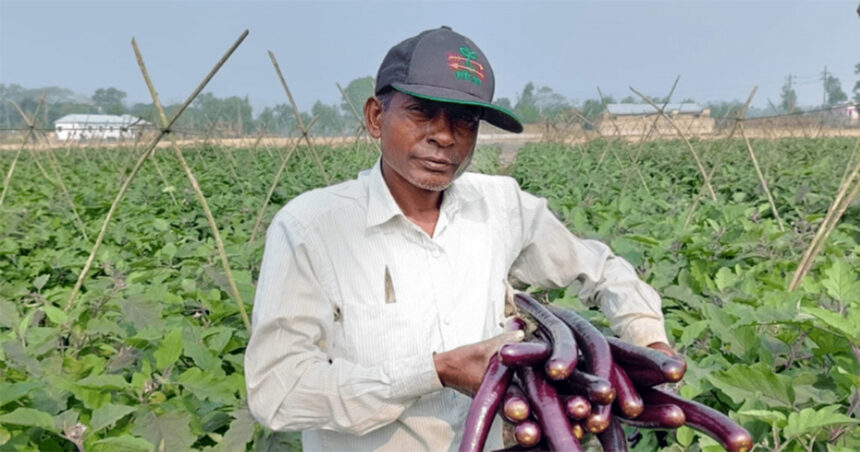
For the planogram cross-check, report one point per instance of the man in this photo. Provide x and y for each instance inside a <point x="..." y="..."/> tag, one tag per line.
<point x="379" y="299"/>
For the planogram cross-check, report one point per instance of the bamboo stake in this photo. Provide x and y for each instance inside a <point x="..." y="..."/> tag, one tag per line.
<point x="302" y="128"/>
<point x="200" y="198"/>
<point x="645" y="137"/>
<point x="272" y="187"/>
<point x="358" y="117"/>
<point x="840" y="203"/>
<point x="740" y="117"/>
<point x="73" y="295"/>
<point x="683" y="137"/>
<point x="32" y="123"/>
<point x="8" y="179"/>
<point x="761" y="179"/>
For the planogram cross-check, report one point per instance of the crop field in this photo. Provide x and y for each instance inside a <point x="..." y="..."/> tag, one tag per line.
<point x="148" y="356"/>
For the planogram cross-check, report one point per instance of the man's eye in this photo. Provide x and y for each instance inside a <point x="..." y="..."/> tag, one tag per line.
<point x="420" y="110"/>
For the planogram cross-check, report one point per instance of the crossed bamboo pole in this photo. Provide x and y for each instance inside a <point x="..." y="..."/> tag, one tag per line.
<point x="302" y="129"/>
<point x="358" y="117"/>
<point x="662" y="113"/>
<point x="57" y="179"/>
<point x="146" y="154"/>
<point x="741" y="116"/>
<point x="197" y="191"/>
<point x="847" y="191"/>
<point x="261" y="213"/>
<point x="8" y="178"/>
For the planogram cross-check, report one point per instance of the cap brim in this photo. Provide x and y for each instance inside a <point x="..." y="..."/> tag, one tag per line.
<point x="493" y="114"/>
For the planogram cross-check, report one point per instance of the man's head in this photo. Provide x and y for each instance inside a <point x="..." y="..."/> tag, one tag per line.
<point x="444" y="66"/>
<point x="431" y="92"/>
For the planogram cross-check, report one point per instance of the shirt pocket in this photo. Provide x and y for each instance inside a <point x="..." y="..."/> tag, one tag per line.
<point x="379" y="332"/>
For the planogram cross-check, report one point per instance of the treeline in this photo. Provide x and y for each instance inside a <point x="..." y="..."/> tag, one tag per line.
<point x="235" y="116"/>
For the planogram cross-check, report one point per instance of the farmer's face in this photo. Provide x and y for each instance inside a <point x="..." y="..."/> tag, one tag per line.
<point x="428" y="144"/>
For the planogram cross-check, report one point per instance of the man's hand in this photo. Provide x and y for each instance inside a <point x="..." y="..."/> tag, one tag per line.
<point x="463" y="367"/>
<point x="665" y="348"/>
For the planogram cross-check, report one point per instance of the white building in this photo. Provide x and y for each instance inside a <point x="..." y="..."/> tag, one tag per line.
<point x="95" y="127"/>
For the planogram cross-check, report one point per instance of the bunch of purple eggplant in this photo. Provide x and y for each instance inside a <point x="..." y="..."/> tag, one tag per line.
<point x="568" y="380"/>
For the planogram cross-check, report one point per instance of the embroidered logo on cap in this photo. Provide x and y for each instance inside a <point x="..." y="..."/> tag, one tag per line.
<point x="465" y="67"/>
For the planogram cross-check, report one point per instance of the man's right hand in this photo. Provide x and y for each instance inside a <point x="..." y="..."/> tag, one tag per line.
<point x="463" y="367"/>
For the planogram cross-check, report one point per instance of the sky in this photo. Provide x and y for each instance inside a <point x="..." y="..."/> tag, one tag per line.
<point x="720" y="49"/>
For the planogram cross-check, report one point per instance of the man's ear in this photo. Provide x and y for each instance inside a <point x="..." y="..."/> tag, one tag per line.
<point x="373" y="117"/>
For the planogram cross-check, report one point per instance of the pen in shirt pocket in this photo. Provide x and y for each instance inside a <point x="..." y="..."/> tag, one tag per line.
<point x="389" y="287"/>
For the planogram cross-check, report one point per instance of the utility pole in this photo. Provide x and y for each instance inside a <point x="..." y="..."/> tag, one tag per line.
<point x="824" y="87"/>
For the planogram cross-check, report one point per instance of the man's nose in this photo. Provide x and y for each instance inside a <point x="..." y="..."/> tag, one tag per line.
<point x="441" y="129"/>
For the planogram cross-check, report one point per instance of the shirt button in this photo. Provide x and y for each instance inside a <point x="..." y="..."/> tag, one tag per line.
<point x="447" y="320"/>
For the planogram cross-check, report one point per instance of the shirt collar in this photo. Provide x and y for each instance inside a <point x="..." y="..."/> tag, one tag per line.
<point x="381" y="206"/>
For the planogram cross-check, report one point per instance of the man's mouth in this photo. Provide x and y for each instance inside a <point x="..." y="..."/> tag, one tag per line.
<point x="436" y="164"/>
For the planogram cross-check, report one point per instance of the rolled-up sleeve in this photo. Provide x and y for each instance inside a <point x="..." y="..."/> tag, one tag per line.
<point x="553" y="257"/>
<point x="293" y="383"/>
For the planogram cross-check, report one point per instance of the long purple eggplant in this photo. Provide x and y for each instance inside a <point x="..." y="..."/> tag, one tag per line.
<point x="562" y="360"/>
<point x="599" y="419"/>
<point x="612" y="439"/>
<point x="525" y="353"/>
<point x="592" y="343"/>
<point x="515" y="406"/>
<point x="517" y="448"/>
<point x="485" y="405"/>
<point x="666" y="416"/>
<point x="627" y="400"/>
<point x="644" y="378"/>
<point x="527" y="433"/>
<point x="730" y="435"/>
<point x="577" y="407"/>
<point x="630" y="356"/>
<point x="546" y="405"/>
<point x="598" y="390"/>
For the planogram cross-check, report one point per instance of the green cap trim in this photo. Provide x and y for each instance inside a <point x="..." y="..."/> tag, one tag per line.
<point x="460" y="102"/>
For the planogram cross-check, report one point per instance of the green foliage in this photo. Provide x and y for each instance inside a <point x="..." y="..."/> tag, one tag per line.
<point x="832" y="89"/>
<point x="151" y="355"/>
<point x="783" y="364"/>
<point x="357" y="91"/>
<point x="109" y="100"/>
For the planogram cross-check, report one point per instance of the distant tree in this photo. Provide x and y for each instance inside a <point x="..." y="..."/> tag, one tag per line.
<point x="550" y="104"/>
<point x="628" y="100"/>
<point x="232" y="114"/>
<point x="357" y="91"/>
<point x="788" y="97"/>
<point x="281" y="120"/>
<point x="109" y="100"/>
<point x="329" y="120"/>
<point x="592" y="108"/>
<point x="832" y="89"/>
<point x="505" y="103"/>
<point x="144" y="111"/>
<point x="857" y="84"/>
<point x="526" y="107"/>
<point x="688" y="100"/>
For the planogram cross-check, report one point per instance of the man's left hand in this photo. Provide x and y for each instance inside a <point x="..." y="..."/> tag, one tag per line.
<point x="665" y="348"/>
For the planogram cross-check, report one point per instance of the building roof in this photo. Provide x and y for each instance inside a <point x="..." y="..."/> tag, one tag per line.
<point x="647" y="109"/>
<point x="112" y="120"/>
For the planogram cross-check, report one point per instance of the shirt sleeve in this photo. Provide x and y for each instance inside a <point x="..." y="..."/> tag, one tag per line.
<point x="292" y="383"/>
<point x="553" y="257"/>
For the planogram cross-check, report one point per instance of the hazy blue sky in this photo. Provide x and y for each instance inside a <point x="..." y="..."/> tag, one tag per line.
<point x="720" y="49"/>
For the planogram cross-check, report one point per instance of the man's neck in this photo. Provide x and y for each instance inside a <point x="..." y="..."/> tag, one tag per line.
<point x="418" y="205"/>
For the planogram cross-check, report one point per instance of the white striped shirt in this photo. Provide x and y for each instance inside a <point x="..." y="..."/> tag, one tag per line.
<point x="329" y="356"/>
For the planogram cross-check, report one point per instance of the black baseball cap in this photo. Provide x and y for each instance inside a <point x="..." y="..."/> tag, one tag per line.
<point x="444" y="66"/>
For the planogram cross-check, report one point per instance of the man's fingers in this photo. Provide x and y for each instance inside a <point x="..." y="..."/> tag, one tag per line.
<point x="511" y="336"/>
